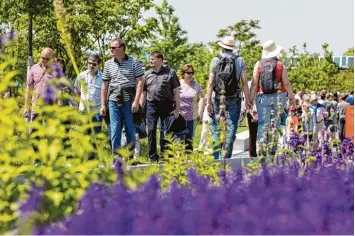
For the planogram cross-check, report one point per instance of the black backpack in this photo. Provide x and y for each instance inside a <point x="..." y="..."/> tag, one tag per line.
<point x="268" y="81"/>
<point x="226" y="78"/>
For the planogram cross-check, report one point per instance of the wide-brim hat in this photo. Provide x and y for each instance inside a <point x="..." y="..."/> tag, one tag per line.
<point x="313" y="97"/>
<point x="227" y="43"/>
<point x="270" y="50"/>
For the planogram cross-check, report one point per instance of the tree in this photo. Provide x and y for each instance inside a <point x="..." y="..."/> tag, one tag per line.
<point x="91" y="25"/>
<point x="169" y="37"/>
<point x="200" y="57"/>
<point x="310" y="73"/>
<point x="349" y="52"/>
<point x="247" y="45"/>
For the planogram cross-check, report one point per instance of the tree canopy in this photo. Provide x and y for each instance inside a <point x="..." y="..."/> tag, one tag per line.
<point x="84" y="27"/>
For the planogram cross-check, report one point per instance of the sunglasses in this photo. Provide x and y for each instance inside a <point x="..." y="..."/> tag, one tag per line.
<point x="113" y="48"/>
<point x="45" y="58"/>
<point x="189" y="73"/>
<point x="93" y="64"/>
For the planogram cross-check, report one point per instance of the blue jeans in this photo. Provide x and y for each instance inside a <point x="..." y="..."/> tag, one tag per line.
<point x="116" y="114"/>
<point x="264" y="104"/>
<point x="191" y="126"/>
<point x="233" y="107"/>
<point x="97" y="121"/>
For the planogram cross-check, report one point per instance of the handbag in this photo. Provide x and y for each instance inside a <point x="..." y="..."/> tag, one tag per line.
<point x="142" y="132"/>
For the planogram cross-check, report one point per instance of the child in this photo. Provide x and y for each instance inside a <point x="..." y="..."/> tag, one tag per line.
<point x="291" y="122"/>
<point x="206" y="128"/>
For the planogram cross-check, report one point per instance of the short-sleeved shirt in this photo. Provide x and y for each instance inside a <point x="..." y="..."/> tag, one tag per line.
<point x="90" y="89"/>
<point x="122" y="75"/>
<point x="189" y="98"/>
<point x="292" y="123"/>
<point x="341" y="108"/>
<point x="350" y="100"/>
<point x="39" y="77"/>
<point x="239" y="63"/>
<point x="160" y="85"/>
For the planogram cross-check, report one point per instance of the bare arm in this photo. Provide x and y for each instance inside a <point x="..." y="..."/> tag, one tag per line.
<point x="246" y="90"/>
<point x="142" y="99"/>
<point x="104" y="90"/>
<point x="201" y="105"/>
<point x="177" y="98"/>
<point x="210" y="88"/>
<point x="143" y="95"/>
<point x="139" y="89"/>
<point x="254" y="82"/>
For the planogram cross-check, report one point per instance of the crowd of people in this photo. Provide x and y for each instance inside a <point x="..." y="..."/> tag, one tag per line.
<point x="134" y="102"/>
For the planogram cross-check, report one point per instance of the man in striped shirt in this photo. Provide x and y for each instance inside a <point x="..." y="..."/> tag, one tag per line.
<point x="122" y="77"/>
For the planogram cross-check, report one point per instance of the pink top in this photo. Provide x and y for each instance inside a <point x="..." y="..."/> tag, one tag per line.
<point x="189" y="98"/>
<point x="38" y="77"/>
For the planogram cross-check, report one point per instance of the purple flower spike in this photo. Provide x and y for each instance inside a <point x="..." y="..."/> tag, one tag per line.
<point x="49" y="95"/>
<point x="7" y="37"/>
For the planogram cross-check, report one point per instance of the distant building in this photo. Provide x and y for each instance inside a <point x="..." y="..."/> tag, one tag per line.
<point x="344" y="62"/>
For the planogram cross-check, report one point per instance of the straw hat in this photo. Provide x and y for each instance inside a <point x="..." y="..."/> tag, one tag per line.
<point x="227" y="43"/>
<point x="270" y="50"/>
<point x="313" y="97"/>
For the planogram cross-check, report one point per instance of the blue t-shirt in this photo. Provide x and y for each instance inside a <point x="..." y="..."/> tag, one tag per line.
<point x="350" y="100"/>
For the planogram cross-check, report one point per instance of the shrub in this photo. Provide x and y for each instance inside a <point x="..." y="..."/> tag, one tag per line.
<point x="276" y="201"/>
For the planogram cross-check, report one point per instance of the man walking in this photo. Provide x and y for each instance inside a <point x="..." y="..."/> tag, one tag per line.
<point x="88" y="87"/>
<point x="341" y="111"/>
<point x="161" y="89"/>
<point x="38" y="80"/>
<point x="122" y="81"/>
<point x="226" y="73"/>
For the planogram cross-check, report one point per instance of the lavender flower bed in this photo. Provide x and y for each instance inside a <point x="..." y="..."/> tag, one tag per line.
<point x="278" y="200"/>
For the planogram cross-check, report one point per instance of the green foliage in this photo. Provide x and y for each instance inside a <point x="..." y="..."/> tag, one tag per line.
<point x="64" y="181"/>
<point x="312" y="74"/>
<point x="91" y="25"/>
<point x="177" y="162"/>
<point x="169" y="37"/>
<point x="200" y="57"/>
<point x="247" y="44"/>
<point x="349" y="52"/>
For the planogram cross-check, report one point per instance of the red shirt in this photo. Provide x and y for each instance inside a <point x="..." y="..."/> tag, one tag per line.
<point x="279" y="71"/>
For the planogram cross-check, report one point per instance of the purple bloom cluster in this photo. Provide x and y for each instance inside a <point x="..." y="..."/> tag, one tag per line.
<point x="296" y="142"/>
<point x="276" y="201"/>
<point x="50" y="90"/>
<point x="33" y="202"/>
<point x="7" y="37"/>
<point x="49" y="94"/>
<point x="347" y="149"/>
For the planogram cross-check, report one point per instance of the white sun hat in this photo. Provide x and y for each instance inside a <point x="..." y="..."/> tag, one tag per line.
<point x="270" y="50"/>
<point x="227" y="43"/>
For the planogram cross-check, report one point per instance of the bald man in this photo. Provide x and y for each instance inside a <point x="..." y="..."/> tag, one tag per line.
<point x="38" y="77"/>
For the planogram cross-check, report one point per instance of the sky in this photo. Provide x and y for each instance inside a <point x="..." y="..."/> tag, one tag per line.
<point x="287" y="22"/>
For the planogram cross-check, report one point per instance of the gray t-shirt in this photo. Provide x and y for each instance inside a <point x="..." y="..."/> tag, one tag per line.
<point x="239" y="63"/>
<point x="122" y="75"/>
<point x="160" y="85"/>
<point x="341" y="108"/>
